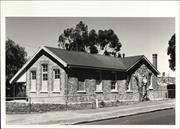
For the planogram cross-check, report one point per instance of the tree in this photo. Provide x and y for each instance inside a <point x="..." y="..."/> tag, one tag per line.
<point x="108" y="43"/>
<point x="15" y="58"/>
<point x="104" y="42"/>
<point x="171" y="51"/>
<point x="74" y="39"/>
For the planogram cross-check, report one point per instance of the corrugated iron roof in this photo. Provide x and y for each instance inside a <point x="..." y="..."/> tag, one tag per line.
<point x="81" y="59"/>
<point x="73" y="58"/>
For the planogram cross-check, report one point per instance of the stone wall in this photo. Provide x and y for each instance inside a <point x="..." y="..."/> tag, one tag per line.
<point x="143" y="71"/>
<point x="70" y="94"/>
<point x="38" y="96"/>
<point x="90" y="94"/>
<point x="160" y="93"/>
<point x="121" y="94"/>
<point x="26" y="107"/>
<point x="14" y="107"/>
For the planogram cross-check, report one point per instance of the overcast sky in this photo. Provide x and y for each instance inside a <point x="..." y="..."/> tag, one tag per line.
<point x="139" y="36"/>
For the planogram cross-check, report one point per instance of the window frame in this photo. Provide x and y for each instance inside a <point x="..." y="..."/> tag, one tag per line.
<point x="45" y="78"/>
<point x="46" y="68"/>
<point x="33" y="76"/>
<point x="56" y="75"/>
<point x="44" y="72"/>
<point x="84" y="86"/>
<point x="97" y="90"/>
<point x="33" y="79"/>
<point x="150" y="79"/>
<point x="128" y="84"/>
<point x="114" y="81"/>
<point x="56" y="90"/>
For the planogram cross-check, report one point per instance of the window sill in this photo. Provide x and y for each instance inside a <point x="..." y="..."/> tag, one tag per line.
<point x="33" y="91"/>
<point x="81" y="91"/>
<point x="114" y="91"/>
<point x="129" y="91"/>
<point x="99" y="91"/>
<point x="56" y="91"/>
<point x="150" y="88"/>
<point x="43" y="91"/>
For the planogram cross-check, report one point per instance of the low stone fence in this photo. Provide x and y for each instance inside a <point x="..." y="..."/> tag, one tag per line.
<point x="16" y="107"/>
<point x="158" y="94"/>
<point x="29" y="105"/>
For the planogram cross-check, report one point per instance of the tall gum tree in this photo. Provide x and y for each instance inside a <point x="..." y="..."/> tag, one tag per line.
<point x="105" y="42"/>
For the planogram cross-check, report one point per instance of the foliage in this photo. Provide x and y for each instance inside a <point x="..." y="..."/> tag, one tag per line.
<point x="15" y="58"/>
<point x="104" y="42"/>
<point x="171" y="51"/>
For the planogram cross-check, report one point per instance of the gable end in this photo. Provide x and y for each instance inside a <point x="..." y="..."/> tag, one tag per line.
<point x="33" y="59"/>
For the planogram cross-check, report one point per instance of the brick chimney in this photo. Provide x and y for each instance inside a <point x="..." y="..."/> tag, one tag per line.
<point x="154" y="57"/>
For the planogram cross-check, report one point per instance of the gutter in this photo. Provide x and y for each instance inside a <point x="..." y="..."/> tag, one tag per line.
<point x="96" y="68"/>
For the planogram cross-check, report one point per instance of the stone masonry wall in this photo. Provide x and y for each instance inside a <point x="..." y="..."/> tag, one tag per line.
<point x="71" y="95"/>
<point x="49" y="96"/>
<point x="90" y="93"/>
<point x="157" y="92"/>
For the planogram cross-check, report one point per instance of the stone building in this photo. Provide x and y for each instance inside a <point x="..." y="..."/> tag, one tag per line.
<point x="60" y="76"/>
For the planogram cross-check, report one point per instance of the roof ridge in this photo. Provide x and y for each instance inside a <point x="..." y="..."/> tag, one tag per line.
<point x="91" y="54"/>
<point x="132" y="56"/>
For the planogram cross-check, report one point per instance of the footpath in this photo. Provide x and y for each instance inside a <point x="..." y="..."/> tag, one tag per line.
<point x="79" y="116"/>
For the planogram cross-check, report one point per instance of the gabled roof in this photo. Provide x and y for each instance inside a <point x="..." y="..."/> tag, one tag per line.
<point x="131" y="61"/>
<point x="81" y="59"/>
<point x="85" y="60"/>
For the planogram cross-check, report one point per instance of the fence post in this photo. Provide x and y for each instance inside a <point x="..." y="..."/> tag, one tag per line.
<point x="66" y="102"/>
<point x="29" y="104"/>
<point x="97" y="105"/>
<point x="167" y="93"/>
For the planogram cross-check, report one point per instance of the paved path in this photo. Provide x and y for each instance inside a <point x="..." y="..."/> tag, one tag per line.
<point x="74" y="117"/>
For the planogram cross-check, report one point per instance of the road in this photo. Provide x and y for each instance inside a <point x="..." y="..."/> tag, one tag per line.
<point x="162" y="117"/>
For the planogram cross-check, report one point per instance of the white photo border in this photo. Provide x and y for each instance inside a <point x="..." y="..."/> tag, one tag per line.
<point x="87" y="9"/>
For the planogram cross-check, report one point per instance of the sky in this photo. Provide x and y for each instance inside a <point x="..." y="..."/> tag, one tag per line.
<point x="139" y="36"/>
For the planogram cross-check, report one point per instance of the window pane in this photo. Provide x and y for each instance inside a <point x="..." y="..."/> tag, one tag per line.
<point x="33" y="75"/>
<point x="113" y="81"/>
<point x="56" y="73"/>
<point x="45" y="76"/>
<point x="45" y="67"/>
<point x="113" y="85"/>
